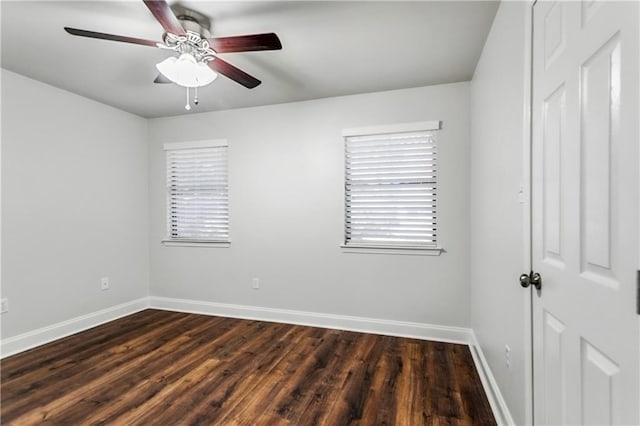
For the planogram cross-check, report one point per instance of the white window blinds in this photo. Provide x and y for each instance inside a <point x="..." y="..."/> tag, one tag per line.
<point x="197" y="192"/>
<point x="390" y="189"/>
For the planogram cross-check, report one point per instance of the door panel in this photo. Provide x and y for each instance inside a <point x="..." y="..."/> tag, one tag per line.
<point x="554" y="33"/>
<point x="599" y="375"/>
<point x="554" y="370"/>
<point x="554" y="128"/>
<point x="585" y="212"/>
<point x="599" y="122"/>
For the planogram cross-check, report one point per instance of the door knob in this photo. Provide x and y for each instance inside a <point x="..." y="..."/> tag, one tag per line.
<point x="532" y="278"/>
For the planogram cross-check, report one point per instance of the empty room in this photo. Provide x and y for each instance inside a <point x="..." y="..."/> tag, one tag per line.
<point x="320" y="212"/>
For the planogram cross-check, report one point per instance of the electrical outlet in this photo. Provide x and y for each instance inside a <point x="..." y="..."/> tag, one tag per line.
<point x="104" y="283"/>
<point x="507" y="356"/>
<point x="255" y="283"/>
<point x="4" y="305"/>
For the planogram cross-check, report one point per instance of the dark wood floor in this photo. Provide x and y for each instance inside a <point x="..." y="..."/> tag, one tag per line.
<point x="167" y="368"/>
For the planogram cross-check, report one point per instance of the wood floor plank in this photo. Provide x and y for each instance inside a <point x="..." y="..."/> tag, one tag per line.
<point x="243" y="383"/>
<point x="410" y="405"/>
<point x="380" y="406"/>
<point x="60" y="354"/>
<point x="50" y="385"/>
<point x="151" y="392"/>
<point x="178" y="356"/>
<point x="313" y="384"/>
<point x="176" y="368"/>
<point x="219" y="392"/>
<point x="347" y="402"/>
<point x="93" y="339"/>
<point x="466" y="375"/>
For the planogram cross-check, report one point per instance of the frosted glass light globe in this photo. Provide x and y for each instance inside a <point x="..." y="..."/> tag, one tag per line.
<point x="185" y="71"/>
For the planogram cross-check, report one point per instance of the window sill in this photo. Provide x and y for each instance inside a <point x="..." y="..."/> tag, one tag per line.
<point x="404" y="250"/>
<point x="196" y="243"/>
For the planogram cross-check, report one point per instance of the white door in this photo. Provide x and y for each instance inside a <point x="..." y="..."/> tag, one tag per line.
<point x="585" y="196"/>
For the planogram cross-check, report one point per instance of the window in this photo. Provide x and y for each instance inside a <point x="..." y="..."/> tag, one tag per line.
<point x="197" y="192"/>
<point x="391" y="186"/>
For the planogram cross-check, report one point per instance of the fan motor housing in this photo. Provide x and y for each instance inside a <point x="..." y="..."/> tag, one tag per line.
<point x="193" y="21"/>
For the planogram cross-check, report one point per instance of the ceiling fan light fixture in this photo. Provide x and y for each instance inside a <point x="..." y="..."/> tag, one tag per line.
<point x="186" y="71"/>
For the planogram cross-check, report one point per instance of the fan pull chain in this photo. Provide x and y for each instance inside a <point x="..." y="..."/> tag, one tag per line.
<point x="187" y="106"/>
<point x="195" y="98"/>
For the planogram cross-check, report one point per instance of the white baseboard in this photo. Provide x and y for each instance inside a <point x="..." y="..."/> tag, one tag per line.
<point x="496" y="400"/>
<point x="40" y="336"/>
<point x="314" y="319"/>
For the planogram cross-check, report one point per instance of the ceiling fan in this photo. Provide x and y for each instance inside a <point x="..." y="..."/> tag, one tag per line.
<point x="196" y="62"/>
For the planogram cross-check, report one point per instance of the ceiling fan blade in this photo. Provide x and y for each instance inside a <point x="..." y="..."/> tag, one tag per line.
<point x="235" y="74"/>
<point x="246" y="43"/>
<point x="103" y="36"/>
<point x="165" y="16"/>
<point x="161" y="79"/>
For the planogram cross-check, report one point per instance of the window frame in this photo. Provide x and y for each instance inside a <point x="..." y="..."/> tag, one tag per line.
<point x="170" y="241"/>
<point x="436" y="250"/>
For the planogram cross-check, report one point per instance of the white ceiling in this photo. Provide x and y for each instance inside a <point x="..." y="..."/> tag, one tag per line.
<point x="330" y="48"/>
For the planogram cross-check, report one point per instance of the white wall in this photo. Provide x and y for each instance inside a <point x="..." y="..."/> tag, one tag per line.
<point x="74" y="205"/>
<point x="498" y="303"/>
<point x="286" y="212"/>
